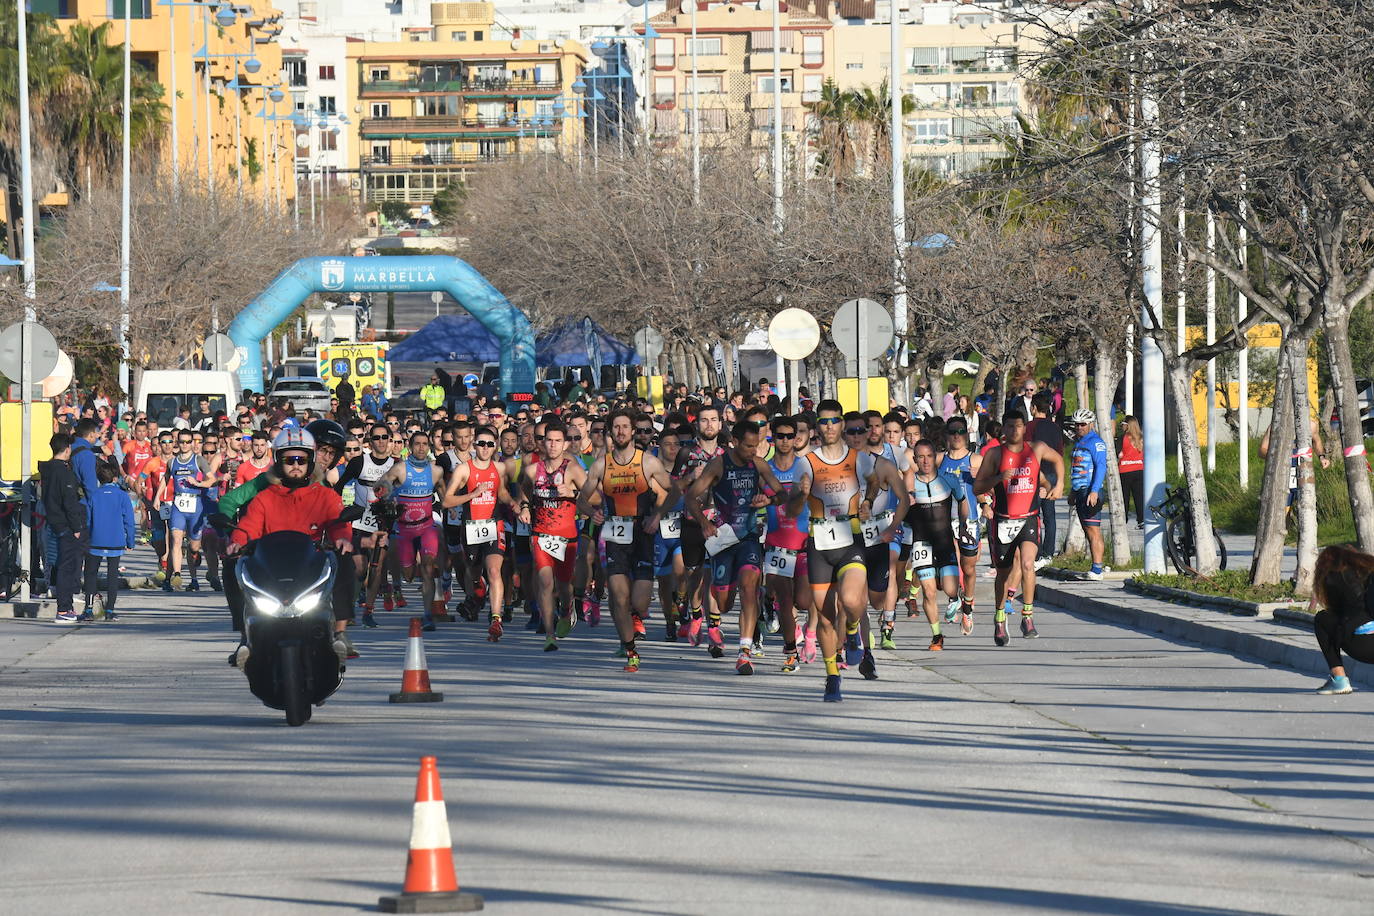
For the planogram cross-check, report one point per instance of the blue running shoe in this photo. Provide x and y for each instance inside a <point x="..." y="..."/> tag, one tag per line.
<point x="853" y="649"/>
<point x="832" y="688"/>
<point x="1336" y="685"/>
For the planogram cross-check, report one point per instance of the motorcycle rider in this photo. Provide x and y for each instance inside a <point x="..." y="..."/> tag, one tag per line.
<point x="294" y="500"/>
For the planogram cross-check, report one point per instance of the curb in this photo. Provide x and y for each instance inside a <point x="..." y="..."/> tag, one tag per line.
<point x="1251" y="637"/>
<point x="1265" y="610"/>
<point x="1061" y="574"/>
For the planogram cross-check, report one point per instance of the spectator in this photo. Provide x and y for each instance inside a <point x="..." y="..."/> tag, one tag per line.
<point x="1044" y="429"/>
<point x="110" y="520"/>
<point x="374" y="402"/>
<point x="66" y="516"/>
<point x="433" y="394"/>
<point x="1343" y="584"/>
<point x="1130" y="462"/>
<point x="85" y="454"/>
<point x="344" y="392"/>
<point x="1021" y="400"/>
<point x="972" y="418"/>
<point x="950" y="405"/>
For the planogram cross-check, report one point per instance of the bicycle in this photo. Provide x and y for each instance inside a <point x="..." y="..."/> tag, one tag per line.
<point x="1176" y="509"/>
<point x="11" y="571"/>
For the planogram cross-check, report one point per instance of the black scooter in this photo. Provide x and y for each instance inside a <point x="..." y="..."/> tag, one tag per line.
<point x="287" y="581"/>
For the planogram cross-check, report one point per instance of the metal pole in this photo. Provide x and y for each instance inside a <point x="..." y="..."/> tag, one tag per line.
<point x="696" y="118"/>
<point x="209" y="139"/>
<point x="30" y="313"/>
<point x="176" y="136"/>
<point x="794" y="387"/>
<point x="238" y="133"/>
<point x="1181" y="317"/>
<point x="861" y="352"/>
<point x="1130" y="369"/>
<point x="1211" y="291"/>
<point x="1243" y="358"/>
<point x="310" y="177"/>
<point x="648" y="112"/>
<point x="125" y="217"/>
<point x="266" y="192"/>
<point x="596" y="127"/>
<point x="898" y="135"/>
<point x="1151" y="359"/>
<point x="777" y="118"/>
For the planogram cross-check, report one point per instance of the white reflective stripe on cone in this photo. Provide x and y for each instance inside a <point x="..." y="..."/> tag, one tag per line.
<point x="415" y="655"/>
<point x="429" y="826"/>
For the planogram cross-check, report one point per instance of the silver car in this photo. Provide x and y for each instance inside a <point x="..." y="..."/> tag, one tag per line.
<point x="304" y="393"/>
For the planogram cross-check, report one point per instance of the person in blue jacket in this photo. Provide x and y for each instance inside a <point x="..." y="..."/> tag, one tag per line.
<point x="110" y="521"/>
<point x="1088" y="471"/>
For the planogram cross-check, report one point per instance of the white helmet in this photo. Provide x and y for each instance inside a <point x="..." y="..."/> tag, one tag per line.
<point x="1084" y="415"/>
<point x="293" y="440"/>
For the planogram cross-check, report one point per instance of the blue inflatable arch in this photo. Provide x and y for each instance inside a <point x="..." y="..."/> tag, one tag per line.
<point x="388" y="274"/>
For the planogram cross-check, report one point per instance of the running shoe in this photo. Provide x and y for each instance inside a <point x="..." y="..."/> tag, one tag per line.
<point x="362" y="603"/>
<point x="1028" y="627"/>
<point x="494" y="629"/>
<point x="756" y="649"/>
<point x="952" y="610"/>
<point x="716" y="642"/>
<point x="634" y="618"/>
<point x="340" y="648"/>
<point x="240" y="657"/>
<point x="194" y="586"/>
<point x="166" y="585"/>
<point x="772" y="624"/>
<point x="215" y="584"/>
<point x="999" y="633"/>
<point x="387" y="603"/>
<point x="591" y="611"/>
<point x="743" y="664"/>
<point x="809" y="647"/>
<point x="533" y="622"/>
<point x="937" y="643"/>
<point x="966" y="622"/>
<point x="176" y="580"/>
<point x="670" y="631"/>
<point x="111" y="615"/>
<point x="428" y="625"/>
<point x="694" y="632"/>
<point x="853" y="648"/>
<point x="400" y="599"/>
<point x="564" y="625"/>
<point x="684" y="627"/>
<point x="85" y="617"/>
<point x="551" y="644"/>
<point x="885" y="640"/>
<point x="632" y="661"/>
<point x="868" y="667"/>
<point x="790" y="664"/>
<point x="1041" y="563"/>
<point x="1336" y="685"/>
<point x="832" y="689"/>
<point x="1093" y="576"/>
<point x="369" y="621"/>
<point x="352" y="649"/>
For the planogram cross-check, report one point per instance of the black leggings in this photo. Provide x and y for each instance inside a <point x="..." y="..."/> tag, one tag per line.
<point x="92" y="579"/>
<point x="1337" y="634"/>
<point x="1049" y="527"/>
<point x="1133" y="488"/>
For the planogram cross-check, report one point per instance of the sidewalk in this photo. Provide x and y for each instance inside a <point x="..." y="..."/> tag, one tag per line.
<point x="1265" y="640"/>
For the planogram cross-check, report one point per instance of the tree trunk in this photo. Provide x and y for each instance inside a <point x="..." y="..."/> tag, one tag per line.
<point x="1180" y="374"/>
<point x="1337" y="325"/>
<point x="1105" y="386"/>
<point x="1306" y="507"/>
<point x="935" y="381"/>
<point x="980" y="381"/>
<point x="1075" y="539"/>
<point x="999" y="400"/>
<point x="679" y="352"/>
<point x="1080" y="376"/>
<point x="1267" y="566"/>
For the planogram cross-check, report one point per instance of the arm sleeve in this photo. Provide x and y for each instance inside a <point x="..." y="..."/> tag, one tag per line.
<point x="233" y="502"/>
<point x="1099" y="464"/>
<point x="331" y="505"/>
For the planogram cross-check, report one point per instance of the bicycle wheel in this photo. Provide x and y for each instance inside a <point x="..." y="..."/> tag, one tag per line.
<point x="1178" y="543"/>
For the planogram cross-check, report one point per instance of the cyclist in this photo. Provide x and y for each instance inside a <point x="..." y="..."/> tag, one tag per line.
<point x="1087" y="473"/>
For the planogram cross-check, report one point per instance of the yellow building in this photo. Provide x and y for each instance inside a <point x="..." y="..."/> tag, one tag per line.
<point x="432" y="111"/>
<point x="235" y="131"/>
<point x="959" y="69"/>
<point x="734" y="65"/>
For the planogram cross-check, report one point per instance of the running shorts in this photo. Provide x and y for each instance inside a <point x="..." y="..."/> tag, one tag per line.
<point x="415" y="541"/>
<point x="1088" y="515"/>
<point x="877" y="562"/>
<point x="664" y="551"/>
<point x="562" y="569"/>
<point x="635" y="559"/>
<point x="823" y="567"/>
<point x="1005" y="544"/>
<point x="693" y="545"/>
<point x="727" y="565"/>
<point x="475" y="554"/>
<point x="193" y="523"/>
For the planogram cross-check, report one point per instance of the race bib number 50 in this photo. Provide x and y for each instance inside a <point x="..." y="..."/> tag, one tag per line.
<point x="780" y="562"/>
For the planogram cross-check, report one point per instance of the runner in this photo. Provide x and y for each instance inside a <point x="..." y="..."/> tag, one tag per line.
<point x="785" y="548"/>
<point x="1011" y="472"/>
<point x="668" y="539"/>
<point x="480" y="485"/>
<point x="531" y="441"/>
<point x="550" y="486"/>
<point x="886" y="563"/>
<point x="932" y="517"/>
<point x="733" y="480"/>
<point x="415" y="481"/>
<point x="960" y="462"/>
<point x="694" y="455"/>
<point x="187" y="478"/>
<point x="370" y="534"/>
<point x="633" y="489"/>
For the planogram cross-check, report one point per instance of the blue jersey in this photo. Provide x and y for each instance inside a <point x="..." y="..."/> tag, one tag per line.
<point x="961" y="468"/>
<point x="1088" y="463"/>
<point x="183" y="472"/>
<point x="789" y="480"/>
<point x="419" y="482"/>
<point x="734" y="493"/>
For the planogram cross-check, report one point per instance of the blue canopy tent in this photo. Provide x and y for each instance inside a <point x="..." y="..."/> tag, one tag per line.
<point x="565" y="344"/>
<point x="448" y="339"/>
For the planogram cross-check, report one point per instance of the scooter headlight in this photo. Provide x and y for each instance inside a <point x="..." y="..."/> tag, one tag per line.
<point x="307" y="602"/>
<point x="266" y="604"/>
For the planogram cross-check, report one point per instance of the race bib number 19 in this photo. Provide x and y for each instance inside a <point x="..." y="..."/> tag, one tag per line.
<point x="480" y="531"/>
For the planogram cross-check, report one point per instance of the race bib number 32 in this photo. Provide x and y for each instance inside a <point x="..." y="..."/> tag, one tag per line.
<point x="553" y="545"/>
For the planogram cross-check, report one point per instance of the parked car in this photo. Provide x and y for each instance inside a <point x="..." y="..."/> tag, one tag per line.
<point x="1364" y="394"/>
<point x="961" y="367"/>
<point x="303" y="393"/>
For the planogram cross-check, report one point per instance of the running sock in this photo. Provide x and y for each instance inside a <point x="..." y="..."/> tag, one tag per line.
<point x="831" y="666"/>
<point x="1097" y="567"/>
<point x="627" y="646"/>
<point x="935" y="628"/>
<point x="1027" y="610"/>
<point x="789" y="647"/>
<point x="713" y="619"/>
<point x="696" y="613"/>
<point x="745" y="644"/>
<point x="889" y="617"/>
<point x="1000" y="616"/>
<point x="851" y="628"/>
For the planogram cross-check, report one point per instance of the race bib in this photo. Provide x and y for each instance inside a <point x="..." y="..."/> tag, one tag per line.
<point x="1292" y="477"/>
<point x="873" y="528"/>
<point x="618" y="529"/>
<point x="480" y="531"/>
<point x="553" y="545"/>
<point x="829" y="533"/>
<point x="453" y="516"/>
<point x="367" y="523"/>
<point x="164" y="511"/>
<point x="670" y="526"/>
<point x="780" y="562"/>
<point x="724" y="537"/>
<point x="1008" y="529"/>
<point x="922" y="554"/>
<point x="187" y="502"/>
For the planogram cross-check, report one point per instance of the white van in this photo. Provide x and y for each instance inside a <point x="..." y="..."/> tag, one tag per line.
<point x="163" y="392"/>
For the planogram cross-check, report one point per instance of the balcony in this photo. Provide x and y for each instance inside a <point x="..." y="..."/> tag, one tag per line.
<point x="763" y="60"/>
<point x="704" y="62"/>
<point x="395" y="87"/>
<point x="471" y="86"/>
<point x="430" y="161"/>
<point x="441" y="126"/>
<point x="765" y="99"/>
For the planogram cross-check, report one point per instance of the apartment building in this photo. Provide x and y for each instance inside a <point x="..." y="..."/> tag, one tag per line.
<point x="432" y="112"/>
<point x="734" y="83"/>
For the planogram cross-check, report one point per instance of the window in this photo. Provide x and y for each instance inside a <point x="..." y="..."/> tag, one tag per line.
<point x="381" y="153"/>
<point x="138" y="9"/>
<point x="477" y="36"/>
<point x="975" y="94"/>
<point x="931" y="130"/>
<point x="704" y="46"/>
<point x="440" y="105"/>
<point x="663" y="52"/>
<point x="381" y="109"/>
<point x="295" y="70"/>
<point x="853" y="62"/>
<point x="329" y="141"/>
<point x="374" y="74"/>
<point x="811" y="87"/>
<point x="328" y="104"/>
<point x="458" y="36"/>
<point x="712" y="84"/>
<point x="924" y="60"/>
<point x="438" y="150"/>
<point x="968" y="58"/>
<point x="326" y="71"/>
<point x="813" y="50"/>
<point x="664" y="86"/>
<point x="766" y="83"/>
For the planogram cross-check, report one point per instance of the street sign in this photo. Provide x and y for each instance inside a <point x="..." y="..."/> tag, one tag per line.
<point x="436" y="297"/>
<point x="649" y="346"/>
<point x="58" y="380"/>
<point x="43" y="351"/>
<point x="219" y="350"/>
<point x="470" y="380"/>
<point x="794" y="333"/>
<point x="845" y="330"/>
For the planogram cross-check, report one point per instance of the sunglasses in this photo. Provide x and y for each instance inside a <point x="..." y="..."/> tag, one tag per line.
<point x="295" y="459"/>
<point x="353" y="448"/>
<point x="856" y="431"/>
<point x="829" y="421"/>
<point x="486" y="443"/>
<point x="956" y="431"/>
<point x="186" y="442"/>
<point x="784" y="436"/>
<point x="575" y="438"/>
<point x="647" y="431"/>
<point x="446" y="441"/>
<point x="380" y="438"/>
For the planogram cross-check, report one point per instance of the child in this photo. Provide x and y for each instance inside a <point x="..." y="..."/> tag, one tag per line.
<point x="110" y="521"/>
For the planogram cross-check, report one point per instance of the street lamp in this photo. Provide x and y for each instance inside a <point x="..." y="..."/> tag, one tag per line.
<point x="308" y="118"/>
<point x="275" y="96"/>
<point x="601" y="47"/>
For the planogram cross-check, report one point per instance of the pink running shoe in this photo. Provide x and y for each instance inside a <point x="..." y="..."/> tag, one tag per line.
<point x="694" y="631"/>
<point x="808" y="653"/>
<point x="717" y="642"/>
<point x="591" y="609"/>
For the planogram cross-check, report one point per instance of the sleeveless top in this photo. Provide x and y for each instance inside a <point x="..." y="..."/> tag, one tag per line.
<point x="835" y="487"/>
<point x="733" y="495"/>
<point x="783" y="530"/>
<point x="1021" y="497"/>
<point x="551" y="513"/>
<point x="483" y="507"/>
<point x="415" y="496"/>
<point x="625" y="486"/>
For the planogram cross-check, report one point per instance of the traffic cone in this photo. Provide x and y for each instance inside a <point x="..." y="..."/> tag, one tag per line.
<point x="431" y="884"/>
<point x="415" y="679"/>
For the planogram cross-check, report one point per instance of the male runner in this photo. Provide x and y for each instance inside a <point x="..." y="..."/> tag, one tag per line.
<point x="668" y="538"/>
<point x="962" y="463"/>
<point x="934" y="495"/>
<point x="415" y="481"/>
<point x="1089" y="472"/>
<point x="693" y="456"/>
<point x="736" y="481"/>
<point x="363" y="473"/>
<point x="1011" y="472"/>
<point x="187" y="479"/>
<point x="785" y="546"/>
<point x="633" y="488"/>
<point x="550" y="486"/>
<point x="480" y="485"/>
<point x="886" y="563"/>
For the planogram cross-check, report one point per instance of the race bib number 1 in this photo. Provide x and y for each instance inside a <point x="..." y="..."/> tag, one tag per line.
<point x="829" y="533"/>
<point x="481" y="531"/>
<point x="553" y="545"/>
<point x="619" y="529"/>
<point x="873" y="528"/>
<point x="780" y="562"/>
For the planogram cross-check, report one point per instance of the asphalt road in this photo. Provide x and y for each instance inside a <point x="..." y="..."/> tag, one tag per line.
<point x="1095" y="770"/>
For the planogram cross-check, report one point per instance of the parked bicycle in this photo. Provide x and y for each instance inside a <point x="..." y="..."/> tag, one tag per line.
<point x="11" y="514"/>
<point x="1176" y="509"/>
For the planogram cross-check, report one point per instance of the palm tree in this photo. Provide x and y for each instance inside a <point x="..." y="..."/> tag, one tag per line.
<point x="873" y="109"/>
<point x="835" y="115"/>
<point x="44" y="42"/>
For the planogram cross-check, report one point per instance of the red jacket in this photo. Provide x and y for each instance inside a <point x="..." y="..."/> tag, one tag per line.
<point x="279" y="508"/>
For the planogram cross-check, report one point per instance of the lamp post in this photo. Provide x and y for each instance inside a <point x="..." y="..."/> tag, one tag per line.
<point x="124" y="217"/>
<point x="649" y="35"/>
<point x="897" y="132"/>
<point x="251" y="66"/>
<point x="224" y="18"/>
<point x="309" y="118"/>
<point x="600" y="47"/>
<point x="696" y="115"/>
<point x="274" y="95"/>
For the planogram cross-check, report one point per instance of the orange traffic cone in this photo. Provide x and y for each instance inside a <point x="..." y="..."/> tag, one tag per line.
<point x="431" y="884"/>
<point x="415" y="679"/>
